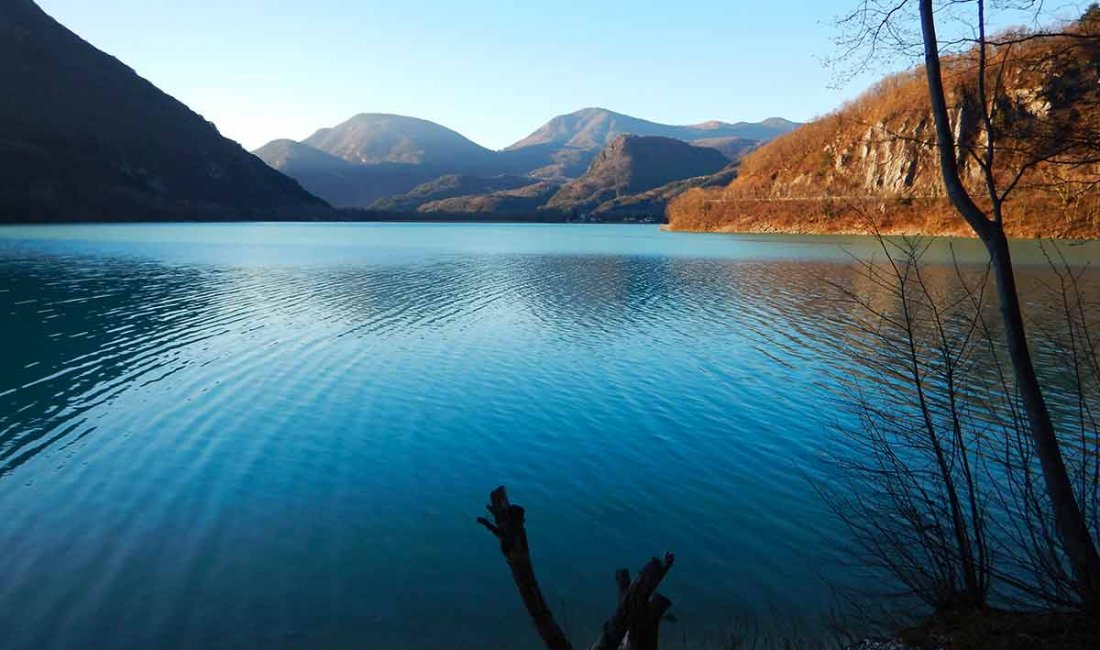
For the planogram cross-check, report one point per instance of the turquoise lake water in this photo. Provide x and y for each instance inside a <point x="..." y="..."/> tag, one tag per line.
<point x="279" y="435"/>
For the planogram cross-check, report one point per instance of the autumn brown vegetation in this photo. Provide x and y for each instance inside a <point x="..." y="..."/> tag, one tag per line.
<point x="877" y="155"/>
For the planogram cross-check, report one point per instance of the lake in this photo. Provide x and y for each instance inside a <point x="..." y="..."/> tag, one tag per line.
<point x="279" y="435"/>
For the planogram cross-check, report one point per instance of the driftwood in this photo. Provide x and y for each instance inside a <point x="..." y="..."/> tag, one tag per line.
<point x="635" y="625"/>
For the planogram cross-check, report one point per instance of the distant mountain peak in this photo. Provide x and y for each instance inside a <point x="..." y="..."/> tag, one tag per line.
<point x="710" y="125"/>
<point x="392" y="117"/>
<point x="593" y="128"/>
<point x="563" y="147"/>
<point x="594" y="110"/>
<point x="375" y="138"/>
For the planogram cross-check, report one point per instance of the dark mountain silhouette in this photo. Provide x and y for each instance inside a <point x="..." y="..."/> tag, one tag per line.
<point x="633" y="164"/>
<point x="83" y="137"/>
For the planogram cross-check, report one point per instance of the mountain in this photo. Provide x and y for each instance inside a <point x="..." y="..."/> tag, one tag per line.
<point x="632" y="164"/>
<point x="594" y="128"/>
<point x="83" y="137"/>
<point x="632" y="178"/>
<point x="778" y="125"/>
<point x="374" y="156"/>
<point x="388" y="156"/>
<point x="446" y="187"/>
<point x="373" y="138"/>
<point x="872" y="165"/>
<point x="565" y="146"/>
<point x="342" y="183"/>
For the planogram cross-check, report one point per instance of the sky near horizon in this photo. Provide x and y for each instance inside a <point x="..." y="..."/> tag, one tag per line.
<point x="493" y="71"/>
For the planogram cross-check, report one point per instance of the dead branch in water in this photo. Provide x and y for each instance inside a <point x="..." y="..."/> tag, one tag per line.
<point x="635" y="624"/>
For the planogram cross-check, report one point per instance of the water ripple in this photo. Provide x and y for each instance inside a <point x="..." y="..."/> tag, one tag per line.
<point x="283" y="445"/>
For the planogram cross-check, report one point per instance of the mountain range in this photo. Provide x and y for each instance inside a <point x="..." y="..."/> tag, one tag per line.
<point x="83" y="137"/>
<point x="566" y="145"/>
<point x="397" y="163"/>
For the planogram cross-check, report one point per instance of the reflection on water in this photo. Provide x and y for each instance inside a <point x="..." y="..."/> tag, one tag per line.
<point x="278" y="436"/>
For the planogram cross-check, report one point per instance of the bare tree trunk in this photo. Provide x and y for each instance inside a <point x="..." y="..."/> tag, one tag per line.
<point x="1070" y="521"/>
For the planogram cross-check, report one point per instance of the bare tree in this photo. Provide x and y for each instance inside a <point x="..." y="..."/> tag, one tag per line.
<point x="634" y="625"/>
<point x="938" y="478"/>
<point x="910" y="489"/>
<point x="1073" y="529"/>
<point x="1031" y="560"/>
<point x="1006" y="146"/>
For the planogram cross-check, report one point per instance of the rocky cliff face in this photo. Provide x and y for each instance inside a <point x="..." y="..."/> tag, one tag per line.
<point x="82" y="137"/>
<point x="873" y="164"/>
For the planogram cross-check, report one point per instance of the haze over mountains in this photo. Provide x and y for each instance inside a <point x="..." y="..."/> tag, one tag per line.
<point x="82" y="137"/>
<point x="391" y="162"/>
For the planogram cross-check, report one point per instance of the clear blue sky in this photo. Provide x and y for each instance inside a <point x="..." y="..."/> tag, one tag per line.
<point x="494" y="71"/>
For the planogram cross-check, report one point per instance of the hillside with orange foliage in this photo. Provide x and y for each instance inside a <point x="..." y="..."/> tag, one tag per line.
<point x="872" y="165"/>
